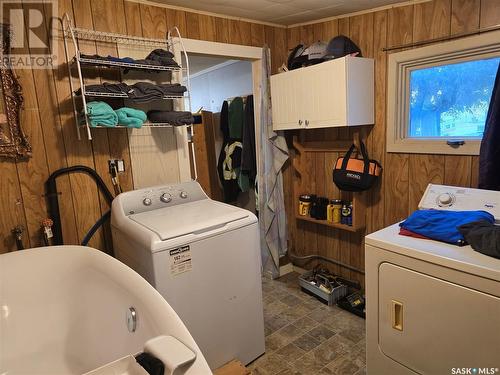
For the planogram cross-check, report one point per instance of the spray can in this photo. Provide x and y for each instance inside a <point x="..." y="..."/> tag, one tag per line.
<point x="337" y="211"/>
<point x="349" y="218"/>
<point x="346" y="214"/>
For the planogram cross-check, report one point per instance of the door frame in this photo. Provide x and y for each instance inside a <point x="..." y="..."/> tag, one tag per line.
<point x="230" y="51"/>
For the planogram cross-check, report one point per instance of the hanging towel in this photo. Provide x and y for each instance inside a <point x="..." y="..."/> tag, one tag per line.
<point x="130" y="117"/>
<point x="489" y="155"/>
<point x="101" y="114"/>
<point x="273" y="155"/>
<point x="443" y="225"/>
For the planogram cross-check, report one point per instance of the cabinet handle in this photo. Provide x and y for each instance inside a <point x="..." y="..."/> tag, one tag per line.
<point x="307" y="123"/>
<point x="300" y="122"/>
<point x="397" y="315"/>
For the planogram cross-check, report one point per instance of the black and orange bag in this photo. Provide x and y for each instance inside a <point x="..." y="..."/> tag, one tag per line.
<point x="353" y="174"/>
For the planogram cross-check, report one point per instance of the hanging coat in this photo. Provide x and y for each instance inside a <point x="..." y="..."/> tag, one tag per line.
<point x="489" y="156"/>
<point x="248" y="157"/>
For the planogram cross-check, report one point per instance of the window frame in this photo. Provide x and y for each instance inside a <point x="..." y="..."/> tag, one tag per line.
<point x="400" y="64"/>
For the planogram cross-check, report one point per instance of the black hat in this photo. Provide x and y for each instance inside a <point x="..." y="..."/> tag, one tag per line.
<point x="341" y="46"/>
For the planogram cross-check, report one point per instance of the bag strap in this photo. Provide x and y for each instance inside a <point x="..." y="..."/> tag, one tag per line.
<point x="365" y="156"/>
<point x="347" y="156"/>
<point x="349" y="152"/>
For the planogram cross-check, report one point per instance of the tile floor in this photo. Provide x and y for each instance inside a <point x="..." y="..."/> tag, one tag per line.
<point x="306" y="337"/>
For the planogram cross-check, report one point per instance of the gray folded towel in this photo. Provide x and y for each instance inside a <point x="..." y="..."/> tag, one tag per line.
<point x="176" y="118"/>
<point x="145" y="91"/>
<point x="139" y="92"/>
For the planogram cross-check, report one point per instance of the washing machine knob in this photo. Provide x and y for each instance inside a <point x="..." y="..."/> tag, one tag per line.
<point x="147" y="202"/>
<point x="166" y="198"/>
<point x="445" y="199"/>
<point x="183" y="195"/>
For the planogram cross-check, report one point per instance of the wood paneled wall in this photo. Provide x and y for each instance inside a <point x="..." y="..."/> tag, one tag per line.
<point x="405" y="176"/>
<point x="48" y="120"/>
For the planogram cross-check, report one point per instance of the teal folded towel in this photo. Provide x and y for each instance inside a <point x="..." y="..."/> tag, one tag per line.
<point x="130" y="117"/>
<point x="101" y="114"/>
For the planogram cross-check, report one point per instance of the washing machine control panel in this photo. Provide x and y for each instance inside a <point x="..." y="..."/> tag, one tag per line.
<point x="454" y="198"/>
<point x="158" y="197"/>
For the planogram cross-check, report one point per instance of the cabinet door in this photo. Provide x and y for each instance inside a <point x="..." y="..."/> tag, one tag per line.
<point x="285" y="100"/>
<point x="326" y="95"/>
<point x="431" y="326"/>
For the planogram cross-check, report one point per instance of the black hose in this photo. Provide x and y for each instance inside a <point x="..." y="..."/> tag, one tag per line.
<point x="95" y="227"/>
<point x="53" y="200"/>
<point x="321" y="257"/>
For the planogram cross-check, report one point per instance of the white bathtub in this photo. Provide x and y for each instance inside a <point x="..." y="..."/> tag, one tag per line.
<point x="63" y="311"/>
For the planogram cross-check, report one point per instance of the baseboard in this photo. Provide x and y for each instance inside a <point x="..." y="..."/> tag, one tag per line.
<point x="286" y="268"/>
<point x="299" y="270"/>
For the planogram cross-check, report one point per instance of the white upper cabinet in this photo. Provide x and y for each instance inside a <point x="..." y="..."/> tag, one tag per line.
<point x="331" y="94"/>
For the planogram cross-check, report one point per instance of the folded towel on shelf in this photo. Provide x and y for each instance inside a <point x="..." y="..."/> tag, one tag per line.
<point x="140" y="92"/>
<point x="106" y="88"/>
<point x="130" y="117"/>
<point x="101" y="114"/>
<point x="146" y="91"/>
<point x="176" y="118"/>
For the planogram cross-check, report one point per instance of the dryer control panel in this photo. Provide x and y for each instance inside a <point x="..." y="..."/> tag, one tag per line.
<point x="157" y="197"/>
<point x="441" y="197"/>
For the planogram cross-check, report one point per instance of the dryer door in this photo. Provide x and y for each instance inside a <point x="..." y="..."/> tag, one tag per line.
<point x="432" y="326"/>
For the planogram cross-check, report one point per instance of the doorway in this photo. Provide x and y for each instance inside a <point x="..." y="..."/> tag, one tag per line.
<point x="221" y="72"/>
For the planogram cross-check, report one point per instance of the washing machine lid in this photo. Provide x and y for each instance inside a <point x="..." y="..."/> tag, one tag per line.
<point x="190" y="218"/>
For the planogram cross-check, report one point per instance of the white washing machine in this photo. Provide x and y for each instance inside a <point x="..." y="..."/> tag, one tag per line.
<point x="433" y="308"/>
<point x="203" y="256"/>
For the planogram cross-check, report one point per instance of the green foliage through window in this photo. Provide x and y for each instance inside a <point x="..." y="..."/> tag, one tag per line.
<point x="451" y="100"/>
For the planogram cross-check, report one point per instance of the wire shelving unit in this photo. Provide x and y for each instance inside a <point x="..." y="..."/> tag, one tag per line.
<point x="79" y="94"/>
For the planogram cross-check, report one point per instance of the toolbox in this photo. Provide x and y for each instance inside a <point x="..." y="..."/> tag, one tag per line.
<point x="323" y="286"/>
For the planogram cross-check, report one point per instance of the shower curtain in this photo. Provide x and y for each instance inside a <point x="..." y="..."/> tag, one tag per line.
<point x="273" y="155"/>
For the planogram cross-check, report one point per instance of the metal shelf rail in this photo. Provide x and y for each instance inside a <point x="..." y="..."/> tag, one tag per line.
<point x="125" y="65"/>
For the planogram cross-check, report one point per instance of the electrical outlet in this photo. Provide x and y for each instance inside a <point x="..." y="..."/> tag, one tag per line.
<point x="118" y="163"/>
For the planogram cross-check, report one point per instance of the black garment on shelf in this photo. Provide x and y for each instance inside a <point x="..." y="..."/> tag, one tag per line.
<point x="176" y="118"/>
<point x="230" y="187"/>
<point x="158" y="57"/>
<point x="108" y="88"/>
<point x="489" y="156"/>
<point x="139" y="92"/>
<point x="146" y="91"/>
<point x="483" y="236"/>
<point x="161" y="56"/>
<point x="248" y="157"/>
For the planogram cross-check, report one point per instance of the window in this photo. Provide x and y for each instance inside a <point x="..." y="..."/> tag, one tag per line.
<point x="441" y="93"/>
